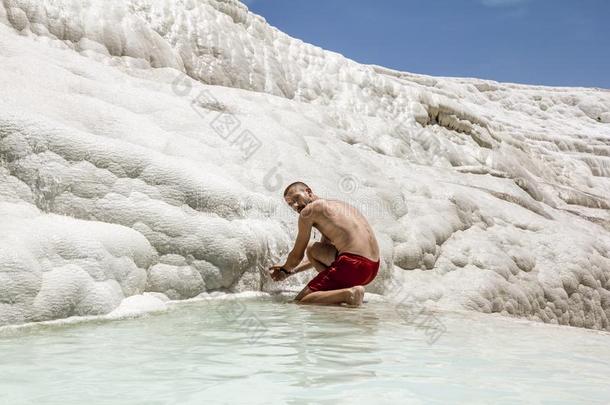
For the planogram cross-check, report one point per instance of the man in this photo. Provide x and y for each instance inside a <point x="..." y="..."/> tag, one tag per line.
<point x="346" y="258"/>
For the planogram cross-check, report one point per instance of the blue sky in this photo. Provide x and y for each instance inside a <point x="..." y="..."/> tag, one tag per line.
<point x="551" y="42"/>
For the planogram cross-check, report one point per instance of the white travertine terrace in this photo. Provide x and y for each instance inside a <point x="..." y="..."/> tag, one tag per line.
<point x="486" y="196"/>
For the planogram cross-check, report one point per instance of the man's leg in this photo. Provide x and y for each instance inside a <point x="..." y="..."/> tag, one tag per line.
<point x="321" y="255"/>
<point x="350" y="296"/>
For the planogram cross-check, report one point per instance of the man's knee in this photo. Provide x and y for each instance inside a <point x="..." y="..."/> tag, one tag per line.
<point x="312" y="250"/>
<point x="304" y="292"/>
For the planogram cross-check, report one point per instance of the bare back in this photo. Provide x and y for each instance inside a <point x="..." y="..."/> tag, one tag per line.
<point x="346" y="228"/>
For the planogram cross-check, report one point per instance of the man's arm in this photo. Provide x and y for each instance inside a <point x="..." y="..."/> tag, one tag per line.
<point x="305" y="265"/>
<point x="304" y="234"/>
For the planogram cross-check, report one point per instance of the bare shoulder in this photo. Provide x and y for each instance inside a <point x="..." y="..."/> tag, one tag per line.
<point x="337" y="209"/>
<point x="313" y="210"/>
<point x="318" y="206"/>
<point x="309" y="212"/>
<point x="332" y="206"/>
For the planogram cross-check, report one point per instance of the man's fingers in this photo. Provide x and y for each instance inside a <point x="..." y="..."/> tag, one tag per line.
<point x="273" y="272"/>
<point x="276" y="273"/>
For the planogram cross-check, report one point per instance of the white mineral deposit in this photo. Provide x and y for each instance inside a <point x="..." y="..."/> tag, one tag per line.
<point x="144" y="149"/>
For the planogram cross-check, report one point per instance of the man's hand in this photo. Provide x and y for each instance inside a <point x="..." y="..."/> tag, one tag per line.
<point x="278" y="273"/>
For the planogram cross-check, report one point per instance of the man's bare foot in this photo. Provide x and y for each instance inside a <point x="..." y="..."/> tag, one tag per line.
<point x="355" y="296"/>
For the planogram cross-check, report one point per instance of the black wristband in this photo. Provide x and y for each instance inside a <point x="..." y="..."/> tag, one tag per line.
<point x="283" y="270"/>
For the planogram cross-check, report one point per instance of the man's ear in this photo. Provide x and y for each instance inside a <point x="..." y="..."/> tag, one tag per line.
<point x="308" y="191"/>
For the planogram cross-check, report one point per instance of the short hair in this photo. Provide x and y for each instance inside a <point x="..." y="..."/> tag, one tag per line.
<point x="292" y="185"/>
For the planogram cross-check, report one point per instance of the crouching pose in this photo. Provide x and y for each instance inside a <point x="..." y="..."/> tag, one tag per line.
<point x="346" y="258"/>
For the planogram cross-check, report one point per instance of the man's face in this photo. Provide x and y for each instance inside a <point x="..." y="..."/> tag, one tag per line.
<point x="298" y="198"/>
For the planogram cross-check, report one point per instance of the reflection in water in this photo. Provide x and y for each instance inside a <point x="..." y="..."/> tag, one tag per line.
<point x="205" y="351"/>
<point x="333" y="353"/>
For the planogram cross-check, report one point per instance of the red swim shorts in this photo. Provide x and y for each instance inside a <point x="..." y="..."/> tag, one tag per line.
<point x="348" y="270"/>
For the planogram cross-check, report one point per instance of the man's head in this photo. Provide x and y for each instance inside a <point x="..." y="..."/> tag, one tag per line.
<point x="297" y="195"/>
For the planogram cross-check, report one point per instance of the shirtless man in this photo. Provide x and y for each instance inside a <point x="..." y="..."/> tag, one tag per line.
<point x="346" y="258"/>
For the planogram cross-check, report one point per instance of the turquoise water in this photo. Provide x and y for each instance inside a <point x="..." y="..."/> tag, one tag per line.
<point x="263" y="351"/>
